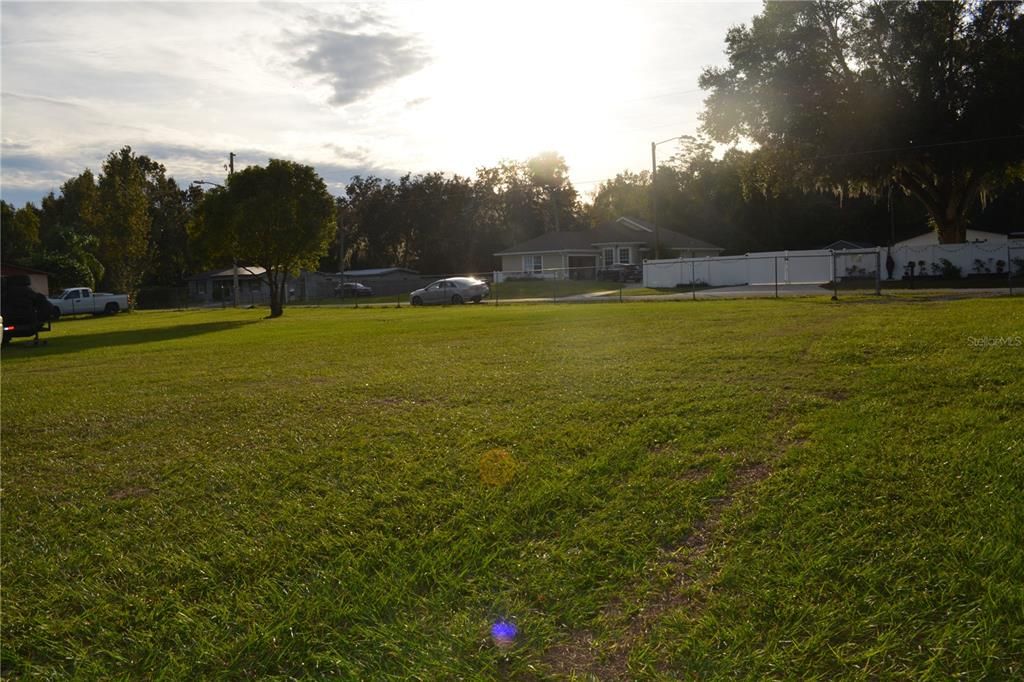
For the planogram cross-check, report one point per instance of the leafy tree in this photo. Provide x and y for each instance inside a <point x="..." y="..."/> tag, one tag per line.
<point x="627" y="194"/>
<point x="436" y="214"/>
<point x="439" y="224"/>
<point x="372" y="234"/>
<point x="71" y="262"/>
<point x="20" y="231"/>
<point x="123" y="222"/>
<point x="549" y="174"/>
<point x="170" y="209"/>
<point x="709" y="199"/>
<point x="851" y="96"/>
<point x="279" y="217"/>
<point x="74" y="209"/>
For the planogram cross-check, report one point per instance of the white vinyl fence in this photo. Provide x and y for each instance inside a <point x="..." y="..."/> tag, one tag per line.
<point x="784" y="267"/>
<point x="820" y="266"/>
<point x="972" y="259"/>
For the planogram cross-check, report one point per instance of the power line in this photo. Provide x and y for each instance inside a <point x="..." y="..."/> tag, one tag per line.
<point x="576" y="183"/>
<point x="915" y="147"/>
<point x="666" y="94"/>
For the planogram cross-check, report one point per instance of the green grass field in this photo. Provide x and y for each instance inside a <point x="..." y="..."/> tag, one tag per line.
<point x="755" y="489"/>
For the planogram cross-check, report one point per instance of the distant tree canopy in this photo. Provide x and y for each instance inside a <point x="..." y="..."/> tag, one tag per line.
<point x="850" y="96"/>
<point x="120" y="230"/>
<point x="132" y="227"/>
<point x="123" y="222"/>
<point x="441" y="225"/>
<point x="19" y="230"/>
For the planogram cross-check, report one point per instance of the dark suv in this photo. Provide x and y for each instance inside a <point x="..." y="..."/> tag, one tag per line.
<point x="622" y="273"/>
<point x="350" y="289"/>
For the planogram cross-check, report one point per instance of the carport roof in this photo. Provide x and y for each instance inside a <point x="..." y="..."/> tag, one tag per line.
<point x="376" y="272"/>
<point x="243" y="272"/>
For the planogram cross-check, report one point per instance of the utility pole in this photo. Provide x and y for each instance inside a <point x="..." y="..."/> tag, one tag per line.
<point x="654" y="193"/>
<point x="341" y="253"/>
<point x="234" y="259"/>
<point x="654" y="199"/>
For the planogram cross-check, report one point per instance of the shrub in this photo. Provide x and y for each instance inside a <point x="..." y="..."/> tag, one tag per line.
<point x="949" y="270"/>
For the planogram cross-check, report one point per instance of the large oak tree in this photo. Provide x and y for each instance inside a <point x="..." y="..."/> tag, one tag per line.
<point x="852" y="96"/>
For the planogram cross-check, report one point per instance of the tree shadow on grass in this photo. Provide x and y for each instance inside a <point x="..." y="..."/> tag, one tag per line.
<point x="108" y="339"/>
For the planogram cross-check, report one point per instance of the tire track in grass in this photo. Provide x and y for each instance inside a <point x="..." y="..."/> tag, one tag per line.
<point x="606" y="657"/>
<point x="583" y="657"/>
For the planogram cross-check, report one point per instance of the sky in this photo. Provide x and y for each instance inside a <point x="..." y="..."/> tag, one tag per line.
<point x="350" y="88"/>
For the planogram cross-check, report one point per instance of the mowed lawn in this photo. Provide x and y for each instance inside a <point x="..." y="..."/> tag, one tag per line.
<point x="785" y="489"/>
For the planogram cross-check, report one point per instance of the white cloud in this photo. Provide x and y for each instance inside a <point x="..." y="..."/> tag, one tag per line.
<point x="409" y="87"/>
<point x="355" y="56"/>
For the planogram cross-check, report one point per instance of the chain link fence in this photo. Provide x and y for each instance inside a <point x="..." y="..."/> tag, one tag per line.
<point x="552" y="285"/>
<point x="772" y="274"/>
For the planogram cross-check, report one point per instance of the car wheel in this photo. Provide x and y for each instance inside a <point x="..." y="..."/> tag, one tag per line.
<point x="416" y="300"/>
<point x="55" y="313"/>
<point x="111" y="309"/>
<point x="476" y="299"/>
<point x="457" y="300"/>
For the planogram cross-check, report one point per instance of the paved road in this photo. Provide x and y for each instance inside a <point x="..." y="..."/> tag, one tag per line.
<point x="739" y="292"/>
<point x="788" y="290"/>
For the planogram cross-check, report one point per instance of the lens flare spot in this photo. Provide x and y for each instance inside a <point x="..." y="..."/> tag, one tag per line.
<point x="497" y="467"/>
<point x="504" y="634"/>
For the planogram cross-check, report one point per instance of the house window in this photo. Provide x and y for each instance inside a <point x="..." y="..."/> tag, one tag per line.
<point x="533" y="263"/>
<point x="609" y="257"/>
<point x="623" y="255"/>
<point x="201" y="288"/>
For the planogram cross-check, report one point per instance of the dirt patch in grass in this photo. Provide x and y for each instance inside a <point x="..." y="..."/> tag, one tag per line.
<point x="581" y="656"/>
<point x="696" y="473"/>
<point x="132" y="492"/>
<point x="835" y="395"/>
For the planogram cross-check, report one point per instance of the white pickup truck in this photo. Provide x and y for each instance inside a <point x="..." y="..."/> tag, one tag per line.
<point x="85" y="301"/>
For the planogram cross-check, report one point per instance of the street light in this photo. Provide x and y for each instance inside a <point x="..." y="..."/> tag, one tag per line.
<point x="234" y="261"/>
<point x="654" y="193"/>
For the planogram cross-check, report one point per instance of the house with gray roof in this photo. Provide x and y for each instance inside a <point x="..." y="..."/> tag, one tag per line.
<point x="588" y="254"/>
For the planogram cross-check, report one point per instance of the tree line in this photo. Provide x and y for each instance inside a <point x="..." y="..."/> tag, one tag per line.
<point x="132" y="226"/>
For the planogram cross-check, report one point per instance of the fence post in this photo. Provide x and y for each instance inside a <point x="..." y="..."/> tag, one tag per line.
<point x="1009" y="265"/>
<point x="835" y="279"/>
<point x="878" y="271"/>
<point x="693" y="281"/>
<point x="776" y="277"/>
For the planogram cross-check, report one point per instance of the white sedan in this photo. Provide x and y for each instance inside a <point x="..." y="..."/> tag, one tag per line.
<point x="454" y="290"/>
